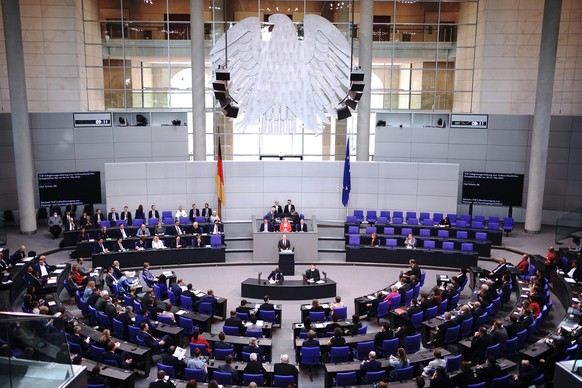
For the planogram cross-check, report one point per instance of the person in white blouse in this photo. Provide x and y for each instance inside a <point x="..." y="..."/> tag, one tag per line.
<point x="180" y="213"/>
<point x="157" y="243"/>
<point x="214" y="217"/>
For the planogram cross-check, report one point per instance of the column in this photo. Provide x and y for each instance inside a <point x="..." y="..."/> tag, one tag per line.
<point x="365" y="61"/>
<point x="20" y="123"/>
<point x="197" y="53"/>
<point x="542" y="115"/>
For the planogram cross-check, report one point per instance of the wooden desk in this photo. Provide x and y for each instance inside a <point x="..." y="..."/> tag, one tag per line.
<point x="136" y="351"/>
<point x="161" y="257"/>
<point x="288" y="290"/>
<point x="239" y="341"/>
<point x="450" y="259"/>
<point x="278" y="311"/>
<point x="122" y="377"/>
<point x="331" y="370"/>
<point x="351" y="341"/>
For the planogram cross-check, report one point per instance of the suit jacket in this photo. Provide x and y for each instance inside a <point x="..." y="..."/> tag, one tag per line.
<point x="162" y="384"/>
<point x="70" y="226"/>
<point x="440" y="382"/>
<point x="118" y="248"/>
<point x="193" y="215"/>
<point x="462" y="379"/>
<point x="285" y="227"/>
<point x="287" y="209"/>
<point x="488" y="373"/>
<point x="284" y="244"/>
<point x="99" y="248"/>
<point x="371" y="366"/>
<point x="301" y="228"/>
<point x="254" y="368"/>
<point x="311" y="343"/>
<point x="169" y="359"/>
<point x="253" y="349"/>
<point x="283" y="369"/>
<point x="278" y="209"/>
<point x="154" y="214"/>
<point x="18" y="256"/>
<point x="127" y="217"/>
<point x="113" y="357"/>
<point x="235" y="322"/>
<point x="267" y="307"/>
<point x="442" y="329"/>
<point x="110" y="216"/>
<point x="526" y="376"/>
<point x="269" y="227"/>
<point x="206" y="212"/>
<point x="309" y="274"/>
<point x="149" y="340"/>
<point x="98" y="218"/>
<point x="174" y="230"/>
<point x="276" y="276"/>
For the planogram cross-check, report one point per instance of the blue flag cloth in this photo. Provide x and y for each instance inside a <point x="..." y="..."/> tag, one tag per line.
<point x="347" y="186"/>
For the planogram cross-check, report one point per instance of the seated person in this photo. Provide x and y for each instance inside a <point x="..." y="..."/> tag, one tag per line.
<point x="301" y="226"/>
<point x="252" y="347"/>
<point x="198" y="242"/>
<point x="215" y="228"/>
<point x="177" y="243"/>
<point x="285" y="226"/>
<point x="410" y="241"/>
<point x="266" y="226"/>
<point x="55" y="224"/>
<point x="444" y="223"/>
<point x="157" y="243"/>
<point x="283" y="368"/>
<point x="196" y="229"/>
<point x="143" y="231"/>
<point x="374" y="242"/>
<point x="141" y="244"/>
<point x="159" y="230"/>
<point x="276" y="275"/>
<point x="312" y="274"/>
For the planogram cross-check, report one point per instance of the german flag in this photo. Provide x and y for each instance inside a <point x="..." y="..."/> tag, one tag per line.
<point x="219" y="176"/>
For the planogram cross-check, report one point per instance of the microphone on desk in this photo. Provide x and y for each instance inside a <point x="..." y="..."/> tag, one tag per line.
<point x="259" y="279"/>
<point x="324" y="276"/>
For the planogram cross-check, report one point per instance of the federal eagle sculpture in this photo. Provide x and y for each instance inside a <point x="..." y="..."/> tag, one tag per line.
<point x="285" y="77"/>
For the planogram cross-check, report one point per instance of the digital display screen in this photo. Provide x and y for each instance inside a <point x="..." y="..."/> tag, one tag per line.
<point x="491" y="188"/>
<point x="69" y="188"/>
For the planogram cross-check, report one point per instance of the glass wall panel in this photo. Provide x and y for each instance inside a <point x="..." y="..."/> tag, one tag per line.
<point x="138" y="57"/>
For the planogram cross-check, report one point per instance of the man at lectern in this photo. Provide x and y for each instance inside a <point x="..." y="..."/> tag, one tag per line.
<point x="284" y="244"/>
<point x="276" y="275"/>
<point x="312" y="274"/>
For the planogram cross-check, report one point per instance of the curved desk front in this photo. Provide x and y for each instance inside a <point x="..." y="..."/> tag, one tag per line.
<point x="158" y="257"/>
<point x="289" y="290"/>
<point x="435" y="257"/>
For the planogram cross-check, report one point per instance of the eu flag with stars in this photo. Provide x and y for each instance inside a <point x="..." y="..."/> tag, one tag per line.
<point x="347" y="186"/>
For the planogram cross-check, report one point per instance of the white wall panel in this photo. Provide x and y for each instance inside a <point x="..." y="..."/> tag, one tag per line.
<point x="377" y="185"/>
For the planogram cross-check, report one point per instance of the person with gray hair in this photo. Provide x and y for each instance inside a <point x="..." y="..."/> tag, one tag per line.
<point x="283" y="368"/>
<point x="252" y="347"/>
<point x="254" y="366"/>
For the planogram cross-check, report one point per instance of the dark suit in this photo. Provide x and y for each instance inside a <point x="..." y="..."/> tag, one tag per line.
<point x="309" y="274"/>
<point x="371" y="366"/>
<point x="70" y="226"/>
<point x="488" y="373"/>
<point x="269" y="227"/>
<point x="127" y="217"/>
<point x="198" y="230"/>
<point x="478" y="347"/>
<point x="254" y="368"/>
<point x="110" y="356"/>
<point x="283" y="369"/>
<point x="310" y="343"/>
<point x="526" y="375"/>
<point x="169" y="359"/>
<point x="284" y="244"/>
<point x="414" y="270"/>
<point x="162" y="384"/>
<point x="278" y="210"/>
<point x="118" y="247"/>
<point x="442" y="329"/>
<point x="98" y="218"/>
<point x="198" y="244"/>
<point x="287" y="209"/>
<point x="382" y="336"/>
<point x="235" y="322"/>
<point x="277" y="276"/>
<point x="154" y="214"/>
<point x="254" y="349"/>
<point x="267" y="307"/>
<point x="206" y="212"/>
<point x="110" y="217"/>
<point x="193" y="215"/>
<point x="440" y="382"/>
<point x="462" y="379"/>
<point x="301" y="228"/>
<point x="99" y="248"/>
<point x="76" y="339"/>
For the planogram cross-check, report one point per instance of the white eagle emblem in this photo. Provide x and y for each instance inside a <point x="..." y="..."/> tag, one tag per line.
<point x="285" y="77"/>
